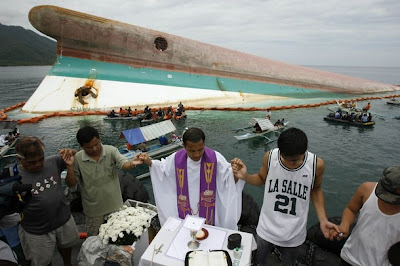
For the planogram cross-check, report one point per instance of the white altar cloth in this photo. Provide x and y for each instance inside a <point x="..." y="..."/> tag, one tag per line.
<point x="172" y="229"/>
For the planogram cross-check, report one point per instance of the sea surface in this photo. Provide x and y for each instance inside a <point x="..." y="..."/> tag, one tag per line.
<point x="352" y="155"/>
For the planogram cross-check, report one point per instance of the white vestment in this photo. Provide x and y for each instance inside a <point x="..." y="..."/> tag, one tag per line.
<point x="228" y="203"/>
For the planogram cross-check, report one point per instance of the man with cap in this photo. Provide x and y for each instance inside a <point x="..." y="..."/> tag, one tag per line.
<point x="378" y="224"/>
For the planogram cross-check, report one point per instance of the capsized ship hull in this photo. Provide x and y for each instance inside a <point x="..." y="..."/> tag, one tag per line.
<point x="103" y="64"/>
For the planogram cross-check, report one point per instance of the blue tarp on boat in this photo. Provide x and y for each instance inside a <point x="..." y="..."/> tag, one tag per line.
<point x="134" y="136"/>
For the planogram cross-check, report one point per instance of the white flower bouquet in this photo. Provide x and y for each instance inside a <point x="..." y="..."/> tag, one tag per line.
<point x="125" y="226"/>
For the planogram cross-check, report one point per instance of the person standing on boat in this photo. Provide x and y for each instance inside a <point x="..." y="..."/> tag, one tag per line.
<point x="367" y="107"/>
<point x="95" y="168"/>
<point x="180" y="179"/>
<point x="378" y="223"/>
<point x="47" y="222"/>
<point x="268" y="114"/>
<point x="292" y="176"/>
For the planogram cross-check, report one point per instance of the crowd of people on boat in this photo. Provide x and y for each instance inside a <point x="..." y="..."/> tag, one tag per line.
<point x="128" y="112"/>
<point x="8" y="139"/>
<point x="351" y="114"/>
<point x="291" y="175"/>
<point x="151" y="114"/>
<point x="170" y="113"/>
<point x="361" y="117"/>
<point x="280" y="123"/>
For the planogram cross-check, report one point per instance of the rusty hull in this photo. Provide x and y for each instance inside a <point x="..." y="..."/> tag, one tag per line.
<point x="85" y="36"/>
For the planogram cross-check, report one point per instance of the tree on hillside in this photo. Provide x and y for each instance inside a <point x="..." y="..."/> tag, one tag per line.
<point x="22" y="47"/>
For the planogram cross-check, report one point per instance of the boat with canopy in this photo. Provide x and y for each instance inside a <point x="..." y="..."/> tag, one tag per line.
<point x="136" y="137"/>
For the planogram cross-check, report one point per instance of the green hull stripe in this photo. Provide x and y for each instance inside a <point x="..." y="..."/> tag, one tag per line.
<point x="89" y="69"/>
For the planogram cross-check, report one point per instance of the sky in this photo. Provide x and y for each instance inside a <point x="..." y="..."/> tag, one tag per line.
<point x="307" y="32"/>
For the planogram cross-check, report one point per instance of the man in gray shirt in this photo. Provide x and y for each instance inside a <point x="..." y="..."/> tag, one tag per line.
<point x="47" y="221"/>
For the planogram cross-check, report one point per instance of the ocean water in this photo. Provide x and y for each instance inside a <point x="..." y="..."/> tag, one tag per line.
<point x="352" y="155"/>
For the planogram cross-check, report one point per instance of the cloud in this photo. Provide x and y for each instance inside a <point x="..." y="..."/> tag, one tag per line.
<point x="330" y="32"/>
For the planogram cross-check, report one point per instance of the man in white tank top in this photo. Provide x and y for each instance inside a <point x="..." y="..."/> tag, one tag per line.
<point x="292" y="176"/>
<point x="378" y="224"/>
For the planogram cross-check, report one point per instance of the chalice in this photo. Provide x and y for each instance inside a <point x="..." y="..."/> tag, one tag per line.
<point x="193" y="244"/>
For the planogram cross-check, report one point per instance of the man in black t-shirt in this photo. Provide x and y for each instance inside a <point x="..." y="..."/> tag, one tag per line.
<point x="47" y="222"/>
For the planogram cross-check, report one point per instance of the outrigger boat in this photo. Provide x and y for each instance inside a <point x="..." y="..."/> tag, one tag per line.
<point x="146" y="134"/>
<point x="266" y="128"/>
<point x="5" y="128"/>
<point x="393" y="101"/>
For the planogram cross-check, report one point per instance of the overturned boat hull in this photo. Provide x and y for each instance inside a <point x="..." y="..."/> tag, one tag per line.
<point x="103" y="64"/>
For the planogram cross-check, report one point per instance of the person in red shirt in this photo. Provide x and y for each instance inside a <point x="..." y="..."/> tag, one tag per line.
<point x="366" y="108"/>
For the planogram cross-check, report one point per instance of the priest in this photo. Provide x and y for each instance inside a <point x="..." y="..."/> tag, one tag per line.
<point x="197" y="181"/>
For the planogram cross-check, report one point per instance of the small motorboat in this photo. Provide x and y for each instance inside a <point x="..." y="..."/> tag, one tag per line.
<point x="263" y="128"/>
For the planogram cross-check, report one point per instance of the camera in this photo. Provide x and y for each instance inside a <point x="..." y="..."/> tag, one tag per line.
<point x="10" y="187"/>
<point x="9" y="173"/>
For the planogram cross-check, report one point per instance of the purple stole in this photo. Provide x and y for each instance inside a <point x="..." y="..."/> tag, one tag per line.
<point x="208" y="185"/>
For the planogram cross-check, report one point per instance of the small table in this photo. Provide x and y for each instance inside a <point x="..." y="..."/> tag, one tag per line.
<point x="167" y="234"/>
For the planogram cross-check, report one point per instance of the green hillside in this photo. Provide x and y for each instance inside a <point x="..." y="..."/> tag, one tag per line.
<point x="21" y="47"/>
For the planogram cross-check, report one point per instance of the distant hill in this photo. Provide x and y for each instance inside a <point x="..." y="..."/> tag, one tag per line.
<point x="22" y="47"/>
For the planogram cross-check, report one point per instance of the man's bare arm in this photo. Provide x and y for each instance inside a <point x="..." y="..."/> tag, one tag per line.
<point x="240" y="171"/>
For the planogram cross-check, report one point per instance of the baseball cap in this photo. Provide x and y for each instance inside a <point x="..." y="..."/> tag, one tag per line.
<point x="388" y="188"/>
